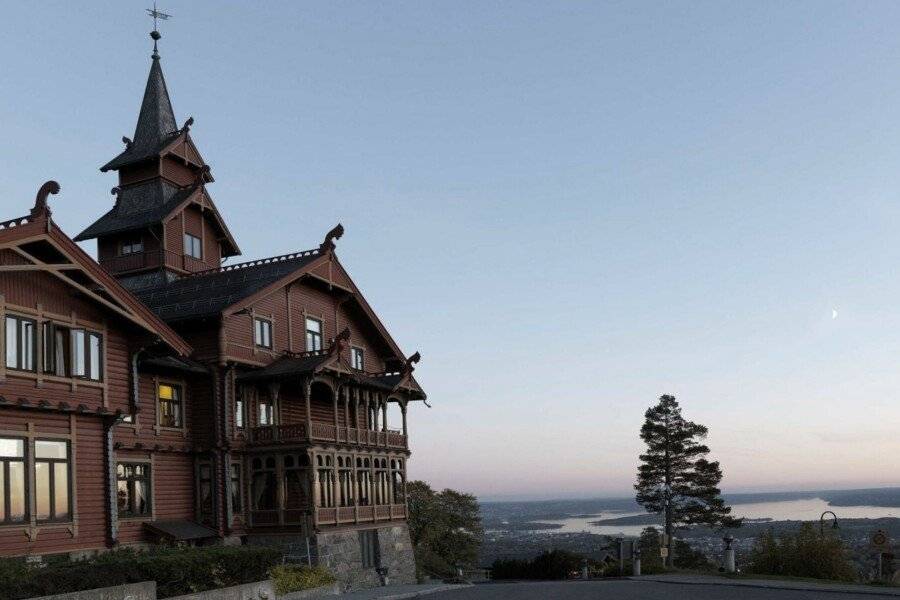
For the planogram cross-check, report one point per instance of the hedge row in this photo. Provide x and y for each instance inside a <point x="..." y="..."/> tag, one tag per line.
<point x="177" y="571"/>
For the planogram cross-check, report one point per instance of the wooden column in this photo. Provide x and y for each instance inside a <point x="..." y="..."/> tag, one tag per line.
<point x="334" y="398"/>
<point x="403" y="413"/>
<point x="384" y="423"/>
<point x="347" y="410"/>
<point x="307" y="392"/>
<point x="368" y="411"/>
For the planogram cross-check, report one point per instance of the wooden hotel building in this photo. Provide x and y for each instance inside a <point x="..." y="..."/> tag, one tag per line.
<point x="161" y="394"/>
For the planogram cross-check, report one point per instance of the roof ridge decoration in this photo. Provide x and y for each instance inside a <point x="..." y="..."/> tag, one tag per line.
<point x="253" y="263"/>
<point x="40" y="200"/>
<point x="328" y="245"/>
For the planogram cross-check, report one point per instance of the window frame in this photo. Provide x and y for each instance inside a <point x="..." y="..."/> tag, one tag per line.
<point x="52" y="462"/>
<point x="148" y="477"/>
<point x="6" y="499"/>
<point x="192" y="243"/>
<point x="133" y="245"/>
<point x="180" y="400"/>
<point x="357" y="352"/>
<point x="314" y="335"/>
<point x="48" y="358"/>
<point x="19" y="320"/>
<point x="270" y="402"/>
<point x="262" y="328"/>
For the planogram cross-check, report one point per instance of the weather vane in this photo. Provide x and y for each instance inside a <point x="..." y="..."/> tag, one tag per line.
<point x="157" y="16"/>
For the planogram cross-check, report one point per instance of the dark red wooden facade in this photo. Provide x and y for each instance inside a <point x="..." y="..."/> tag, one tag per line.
<point x="158" y="392"/>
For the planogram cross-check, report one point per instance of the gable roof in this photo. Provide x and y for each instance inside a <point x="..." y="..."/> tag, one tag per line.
<point x="211" y="292"/>
<point x="152" y="202"/>
<point x="73" y="266"/>
<point x="138" y="206"/>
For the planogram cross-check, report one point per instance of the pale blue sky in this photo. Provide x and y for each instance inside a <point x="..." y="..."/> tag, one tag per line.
<point x="569" y="208"/>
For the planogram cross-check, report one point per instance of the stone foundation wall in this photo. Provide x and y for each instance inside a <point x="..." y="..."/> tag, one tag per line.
<point x="341" y="553"/>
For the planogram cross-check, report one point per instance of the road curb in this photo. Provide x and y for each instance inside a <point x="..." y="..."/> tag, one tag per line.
<point x="421" y="593"/>
<point x="776" y="585"/>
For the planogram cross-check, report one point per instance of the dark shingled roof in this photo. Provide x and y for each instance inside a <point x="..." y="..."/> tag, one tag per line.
<point x="285" y="367"/>
<point x="210" y="292"/>
<point x="180" y="530"/>
<point x="156" y="125"/>
<point x="138" y="206"/>
<point x="179" y="364"/>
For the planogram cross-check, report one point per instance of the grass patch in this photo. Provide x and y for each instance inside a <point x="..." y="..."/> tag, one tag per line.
<point x="293" y="578"/>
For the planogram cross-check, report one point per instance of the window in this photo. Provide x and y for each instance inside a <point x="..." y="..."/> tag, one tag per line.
<point x="262" y="333"/>
<point x="171" y="407"/>
<point x="239" y="413"/>
<point x="133" y="489"/>
<point x="264" y="485"/>
<point x="72" y="352"/>
<point x="296" y="482"/>
<point x="12" y="480"/>
<point x="313" y="334"/>
<point x="20" y="343"/>
<point x="382" y="488"/>
<point x="345" y="480"/>
<point x="192" y="246"/>
<point x="132" y="246"/>
<point x="326" y="481"/>
<point x="51" y="480"/>
<point x="357" y="358"/>
<point x="266" y="412"/>
<point x="237" y="495"/>
<point x="371" y="554"/>
<point x="398" y="481"/>
<point x="363" y="481"/>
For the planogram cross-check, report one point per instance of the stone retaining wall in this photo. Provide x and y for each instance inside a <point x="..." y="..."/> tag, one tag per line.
<point x="340" y="552"/>
<point x="145" y="590"/>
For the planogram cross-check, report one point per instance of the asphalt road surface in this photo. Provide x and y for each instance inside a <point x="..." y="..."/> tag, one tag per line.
<point x="632" y="590"/>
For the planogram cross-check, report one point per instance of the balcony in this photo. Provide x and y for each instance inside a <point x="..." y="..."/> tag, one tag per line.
<point x="156" y="259"/>
<point x="294" y="433"/>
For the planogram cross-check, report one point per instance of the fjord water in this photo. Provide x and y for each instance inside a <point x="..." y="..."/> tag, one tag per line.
<point x="806" y="509"/>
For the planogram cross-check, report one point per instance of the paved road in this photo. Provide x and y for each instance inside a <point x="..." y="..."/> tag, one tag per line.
<point x="632" y="590"/>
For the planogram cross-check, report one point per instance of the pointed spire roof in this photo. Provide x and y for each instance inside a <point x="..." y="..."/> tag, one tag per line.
<point x="156" y="126"/>
<point x="156" y="121"/>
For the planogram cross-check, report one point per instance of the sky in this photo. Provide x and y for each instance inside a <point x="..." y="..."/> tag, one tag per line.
<point x="569" y="208"/>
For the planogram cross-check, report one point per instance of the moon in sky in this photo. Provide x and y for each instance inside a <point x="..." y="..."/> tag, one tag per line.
<point x="833" y="314"/>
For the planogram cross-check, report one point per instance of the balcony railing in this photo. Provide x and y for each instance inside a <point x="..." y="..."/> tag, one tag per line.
<point x="154" y="260"/>
<point x="341" y="515"/>
<point x="326" y="432"/>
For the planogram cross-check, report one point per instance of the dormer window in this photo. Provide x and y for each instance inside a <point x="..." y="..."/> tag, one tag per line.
<point x="132" y="246"/>
<point x="313" y="334"/>
<point x="357" y="358"/>
<point x="192" y="246"/>
<point x="262" y="332"/>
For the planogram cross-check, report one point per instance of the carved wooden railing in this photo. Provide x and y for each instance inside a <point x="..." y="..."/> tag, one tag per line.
<point x="326" y="432"/>
<point x="293" y="432"/>
<point x="152" y="260"/>
<point x="360" y="514"/>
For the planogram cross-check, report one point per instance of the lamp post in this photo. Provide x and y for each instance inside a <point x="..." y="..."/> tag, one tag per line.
<point x="729" y="553"/>
<point x="834" y="525"/>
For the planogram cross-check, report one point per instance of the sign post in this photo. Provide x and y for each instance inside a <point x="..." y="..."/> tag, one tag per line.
<point x="881" y="543"/>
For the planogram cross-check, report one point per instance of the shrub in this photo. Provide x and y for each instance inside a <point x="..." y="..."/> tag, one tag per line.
<point x="803" y="553"/>
<point x="176" y="571"/>
<point x="293" y="578"/>
<point x="553" y="564"/>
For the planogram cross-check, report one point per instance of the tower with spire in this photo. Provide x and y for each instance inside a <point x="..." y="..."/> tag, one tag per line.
<point x="163" y="223"/>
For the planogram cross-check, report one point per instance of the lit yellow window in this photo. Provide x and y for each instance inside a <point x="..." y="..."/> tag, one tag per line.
<point x="166" y="392"/>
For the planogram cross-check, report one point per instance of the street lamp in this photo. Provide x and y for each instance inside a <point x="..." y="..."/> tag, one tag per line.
<point x="834" y="525"/>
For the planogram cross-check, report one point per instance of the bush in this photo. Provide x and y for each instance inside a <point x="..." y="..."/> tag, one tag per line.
<point x="803" y="553"/>
<point x="176" y="571"/>
<point x="293" y="578"/>
<point x="553" y="564"/>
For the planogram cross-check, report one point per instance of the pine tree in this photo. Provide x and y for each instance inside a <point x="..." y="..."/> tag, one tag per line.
<point x="674" y="477"/>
